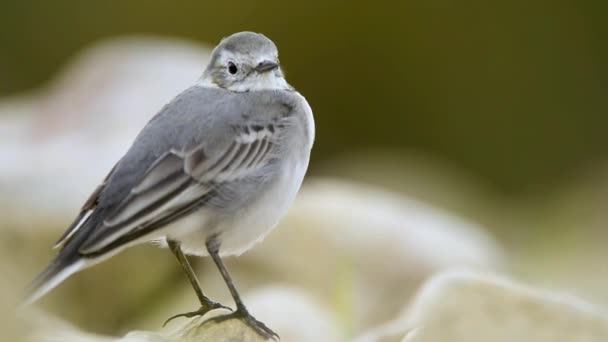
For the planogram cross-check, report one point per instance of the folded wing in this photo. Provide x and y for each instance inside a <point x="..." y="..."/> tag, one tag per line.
<point x="180" y="182"/>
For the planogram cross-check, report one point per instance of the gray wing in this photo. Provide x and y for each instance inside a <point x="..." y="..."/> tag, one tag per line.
<point x="198" y="143"/>
<point x="87" y="209"/>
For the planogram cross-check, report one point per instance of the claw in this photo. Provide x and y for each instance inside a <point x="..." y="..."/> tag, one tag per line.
<point x="257" y="326"/>
<point x="186" y="314"/>
<point x="200" y="312"/>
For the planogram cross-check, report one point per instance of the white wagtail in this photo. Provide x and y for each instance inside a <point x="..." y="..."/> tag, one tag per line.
<point x="232" y="150"/>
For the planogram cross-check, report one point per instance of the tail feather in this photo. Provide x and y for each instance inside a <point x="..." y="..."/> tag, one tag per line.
<point x="66" y="263"/>
<point x="53" y="275"/>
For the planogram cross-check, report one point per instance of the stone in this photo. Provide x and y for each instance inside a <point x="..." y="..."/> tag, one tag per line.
<point x="306" y="320"/>
<point x="468" y="306"/>
<point x="361" y="247"/>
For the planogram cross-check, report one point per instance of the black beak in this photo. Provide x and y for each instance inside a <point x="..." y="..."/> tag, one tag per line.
<point x="266" y="66"/>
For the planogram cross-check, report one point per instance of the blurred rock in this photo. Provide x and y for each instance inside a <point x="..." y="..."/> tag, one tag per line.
<point x="43" y="327"/>
<point x="294" y="314"/>
<point x="306" y="321"/>
<point x="367" y="250"/>
<point x="469" y="306"/>
<point x="59" y="142"/>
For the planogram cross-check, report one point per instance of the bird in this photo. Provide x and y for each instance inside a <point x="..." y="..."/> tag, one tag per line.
<point x="231" y="151"/>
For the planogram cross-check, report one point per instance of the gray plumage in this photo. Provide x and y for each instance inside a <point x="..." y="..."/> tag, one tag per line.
<point x="232" y="149"/>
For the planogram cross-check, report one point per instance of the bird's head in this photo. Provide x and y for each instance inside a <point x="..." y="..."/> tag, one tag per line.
<point x="245" y="61"/>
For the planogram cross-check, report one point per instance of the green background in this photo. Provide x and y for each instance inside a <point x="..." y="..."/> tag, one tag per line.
<point x="513" y="92"/>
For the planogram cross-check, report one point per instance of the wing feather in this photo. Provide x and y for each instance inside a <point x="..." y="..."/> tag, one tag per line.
<point x="85" y="212"/>
<point x="178" y="182"/>
<point x="255" y="147"/>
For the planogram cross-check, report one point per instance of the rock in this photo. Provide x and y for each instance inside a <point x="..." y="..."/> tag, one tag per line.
<point x="470" y="306"/>
<point x="43" y="327"/>
<point x="362" y="247"/>
<point x="197" y="329"/>
<point x="455" y="305"/>
<point x="73" y="130"/>
<point x="295" y="314"/>
<point x="306" y="321"/>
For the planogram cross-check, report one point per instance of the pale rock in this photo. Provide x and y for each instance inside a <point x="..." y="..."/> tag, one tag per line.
<point x="43" y="327"/>
<point x="362" y="247"/>
<point x="60" y="141"/>
<point x="468" y="306"/>
<point x="292" y="313"/>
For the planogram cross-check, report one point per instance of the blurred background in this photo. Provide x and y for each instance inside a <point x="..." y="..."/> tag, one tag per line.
<point x="488" y="114"/>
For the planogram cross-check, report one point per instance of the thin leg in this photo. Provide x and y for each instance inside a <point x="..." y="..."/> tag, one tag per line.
<point x="241" y="311"/>
<point x="176" y="249"/>
<point x="206" y="303"/>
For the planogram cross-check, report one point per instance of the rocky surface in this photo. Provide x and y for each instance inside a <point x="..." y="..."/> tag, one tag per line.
<point x="291" y="312"/>
<point x="461" y="305"/>
<point x="455" y="306"/>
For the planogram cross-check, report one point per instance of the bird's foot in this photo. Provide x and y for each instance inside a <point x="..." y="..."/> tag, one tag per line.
<point x="206" y="307"/>
<point x="244" y="316"/>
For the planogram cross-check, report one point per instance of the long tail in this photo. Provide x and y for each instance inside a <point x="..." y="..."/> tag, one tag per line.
<point x="66" y="263"/>
<point x="60" y="269"/>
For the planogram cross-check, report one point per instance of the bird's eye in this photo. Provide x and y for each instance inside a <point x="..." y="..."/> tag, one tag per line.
<point x="232" y="69"/>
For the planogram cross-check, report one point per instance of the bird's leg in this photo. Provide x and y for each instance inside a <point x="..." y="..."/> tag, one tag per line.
<point x="206" y="303"/>
<point x="241" y="311"/>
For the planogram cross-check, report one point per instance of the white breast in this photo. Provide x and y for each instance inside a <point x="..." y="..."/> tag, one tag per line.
<point x="252" y="225"/>
<point x="264" y="215"/>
